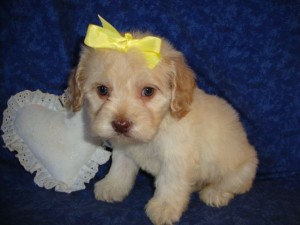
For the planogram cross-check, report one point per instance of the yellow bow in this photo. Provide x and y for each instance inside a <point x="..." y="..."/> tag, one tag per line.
<point x="108" y="37"/>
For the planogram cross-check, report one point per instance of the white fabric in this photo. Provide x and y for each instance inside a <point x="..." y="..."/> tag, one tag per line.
<point x="51" y="142"/>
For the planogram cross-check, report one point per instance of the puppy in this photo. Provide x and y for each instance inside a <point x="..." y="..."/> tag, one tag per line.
<point x="159" y="121"/>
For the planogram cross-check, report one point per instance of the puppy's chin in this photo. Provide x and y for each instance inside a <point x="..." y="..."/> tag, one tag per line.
<point x="127" y="139"/>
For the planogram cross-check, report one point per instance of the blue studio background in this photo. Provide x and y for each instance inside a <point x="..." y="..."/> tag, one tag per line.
<point x="247" y="52"/>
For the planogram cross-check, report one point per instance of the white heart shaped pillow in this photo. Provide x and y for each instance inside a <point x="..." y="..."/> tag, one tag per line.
<point x="50" y="142"/>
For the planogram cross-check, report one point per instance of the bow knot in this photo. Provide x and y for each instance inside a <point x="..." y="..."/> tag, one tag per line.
<point x="124" y="44"/>
<point x="108" y="37"/>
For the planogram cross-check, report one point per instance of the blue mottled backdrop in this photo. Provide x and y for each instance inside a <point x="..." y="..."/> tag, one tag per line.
<point x="247" y="52"/>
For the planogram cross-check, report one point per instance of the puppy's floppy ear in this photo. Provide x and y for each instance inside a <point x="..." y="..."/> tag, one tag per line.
<point x="76" y="82"/>
<point x="183" y="84"/>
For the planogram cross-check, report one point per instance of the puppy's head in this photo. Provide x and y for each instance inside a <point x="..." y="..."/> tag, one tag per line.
<point x="126" y="100"/>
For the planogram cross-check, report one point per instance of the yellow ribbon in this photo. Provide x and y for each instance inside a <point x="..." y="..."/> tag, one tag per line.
<point x="108" y="37"/>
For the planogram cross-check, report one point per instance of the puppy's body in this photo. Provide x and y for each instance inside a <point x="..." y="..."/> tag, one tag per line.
<point x="158" y="121"/>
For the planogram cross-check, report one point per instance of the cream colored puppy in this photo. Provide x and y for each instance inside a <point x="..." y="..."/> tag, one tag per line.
<point x="159" y="121"/>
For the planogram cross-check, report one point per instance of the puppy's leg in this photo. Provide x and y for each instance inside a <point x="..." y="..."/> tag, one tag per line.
<point x="120" y="179"/>
<point x="171" y="196"/>
<point x="220" y="192"/>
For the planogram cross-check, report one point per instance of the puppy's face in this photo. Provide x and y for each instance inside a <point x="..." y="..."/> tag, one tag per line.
<point x="126" y="100"/>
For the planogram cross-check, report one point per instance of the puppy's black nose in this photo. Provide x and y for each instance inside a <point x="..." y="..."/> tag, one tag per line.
<point x="121" y="126"/>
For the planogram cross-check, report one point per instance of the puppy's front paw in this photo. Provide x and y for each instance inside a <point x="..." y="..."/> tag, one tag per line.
<point x="214" y="197"/>
<point x="106" y="190"/>
<point x="163" y="212"/>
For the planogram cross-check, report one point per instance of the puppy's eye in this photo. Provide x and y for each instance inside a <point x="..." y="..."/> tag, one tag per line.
<point x="148" y="91"/>
<point x="102" y="90"/>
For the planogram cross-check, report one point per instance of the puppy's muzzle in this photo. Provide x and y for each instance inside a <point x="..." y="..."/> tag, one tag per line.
<point x="121" y="126"/>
